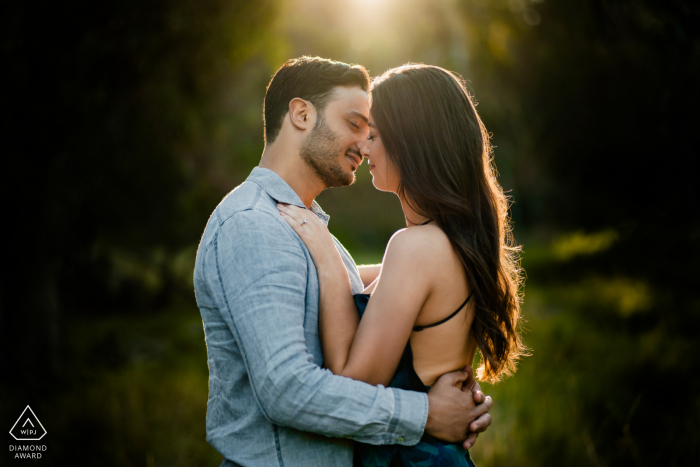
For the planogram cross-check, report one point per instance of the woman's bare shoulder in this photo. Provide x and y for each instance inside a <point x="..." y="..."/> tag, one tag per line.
<point x="425" y="243"/>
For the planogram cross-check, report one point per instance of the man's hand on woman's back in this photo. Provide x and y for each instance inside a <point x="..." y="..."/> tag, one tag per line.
<point x="457" y="409"/>
<point x="483" y="421"/>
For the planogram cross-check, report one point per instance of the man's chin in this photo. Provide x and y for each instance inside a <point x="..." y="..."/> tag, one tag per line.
<point x="352" y="180"/>
<point x="340" y="182"/>
<point x="338" y="177"/>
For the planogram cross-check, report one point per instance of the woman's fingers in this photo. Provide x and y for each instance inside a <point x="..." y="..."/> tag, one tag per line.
<point x="289" y="220"/>
<point x="291" y="213"/>
<point x="301" y="220"/>
<point x="298" y="215"/>
<point x="287" y="210"/>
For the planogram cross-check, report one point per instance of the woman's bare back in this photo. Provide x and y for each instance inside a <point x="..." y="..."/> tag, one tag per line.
<point x="448" y="346"/>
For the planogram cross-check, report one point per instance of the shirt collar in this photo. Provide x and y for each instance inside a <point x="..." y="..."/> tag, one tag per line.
<point x="281" y="192"/>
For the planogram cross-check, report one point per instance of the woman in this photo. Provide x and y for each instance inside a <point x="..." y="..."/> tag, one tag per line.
<point x="448" y="282"/>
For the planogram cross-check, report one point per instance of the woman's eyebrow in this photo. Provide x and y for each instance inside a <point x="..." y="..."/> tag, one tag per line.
<point x="371" y="125"/>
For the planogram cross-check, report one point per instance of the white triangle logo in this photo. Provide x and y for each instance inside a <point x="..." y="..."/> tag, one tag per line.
<point x="28" y="427"/>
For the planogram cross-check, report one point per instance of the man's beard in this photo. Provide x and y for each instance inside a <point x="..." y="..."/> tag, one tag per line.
<point x="320" y="151"/>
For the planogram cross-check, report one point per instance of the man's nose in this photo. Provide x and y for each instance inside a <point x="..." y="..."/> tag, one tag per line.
<point x="364" y="148"/>
<point x="363" y="135"/>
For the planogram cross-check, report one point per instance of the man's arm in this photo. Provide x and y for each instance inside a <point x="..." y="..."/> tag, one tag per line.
<point x="257" y="271"/>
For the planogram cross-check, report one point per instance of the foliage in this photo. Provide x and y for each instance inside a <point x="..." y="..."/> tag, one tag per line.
<point x="136" y="396"/>
<point x="597" y="387"/>
<point x="113" y="114"/>
<point x="127" y="122"/>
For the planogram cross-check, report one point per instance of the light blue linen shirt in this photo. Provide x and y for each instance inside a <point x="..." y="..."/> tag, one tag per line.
<point x="270" y="402"/>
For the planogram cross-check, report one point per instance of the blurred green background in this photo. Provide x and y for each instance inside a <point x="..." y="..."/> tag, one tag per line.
<point x="125" y="123"/>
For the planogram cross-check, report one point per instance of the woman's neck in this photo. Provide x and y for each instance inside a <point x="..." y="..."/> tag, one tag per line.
<point x="412" y="217"/>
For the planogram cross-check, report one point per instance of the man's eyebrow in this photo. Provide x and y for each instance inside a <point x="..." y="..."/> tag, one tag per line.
<point x="365" y="119"/>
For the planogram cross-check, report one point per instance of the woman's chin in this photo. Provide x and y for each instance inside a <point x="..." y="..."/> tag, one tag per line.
<point x="377" y="185"/>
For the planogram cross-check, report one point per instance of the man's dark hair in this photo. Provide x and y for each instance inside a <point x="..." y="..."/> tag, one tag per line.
<point x="310" y="78"/>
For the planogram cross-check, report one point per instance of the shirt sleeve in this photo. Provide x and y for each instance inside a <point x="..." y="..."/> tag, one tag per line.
<point x="258" y="273"/>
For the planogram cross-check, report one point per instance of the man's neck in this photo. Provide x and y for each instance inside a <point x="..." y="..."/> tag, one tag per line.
<point x="293" y="170"/>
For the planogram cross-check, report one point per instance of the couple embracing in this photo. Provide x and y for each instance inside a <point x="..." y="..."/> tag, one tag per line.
<point x="316" y="362"/>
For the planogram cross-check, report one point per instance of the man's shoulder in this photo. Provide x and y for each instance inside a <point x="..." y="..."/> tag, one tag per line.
<point x="246" y="206"/>
<point x="248" y="196"/>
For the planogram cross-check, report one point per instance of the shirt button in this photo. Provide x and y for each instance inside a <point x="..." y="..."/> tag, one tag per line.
<point x="400" y="440"/>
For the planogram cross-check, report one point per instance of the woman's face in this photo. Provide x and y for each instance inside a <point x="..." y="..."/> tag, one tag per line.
<point x="384" y="175"/>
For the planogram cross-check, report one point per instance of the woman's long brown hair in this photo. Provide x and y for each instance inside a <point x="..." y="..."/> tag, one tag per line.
<point x="437" y="142"/>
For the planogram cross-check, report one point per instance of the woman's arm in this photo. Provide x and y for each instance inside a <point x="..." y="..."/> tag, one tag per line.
<point x="367" y="350"/>
<point x="338" y="317"/>
<point x="399" y="294"/>
<point x="369" y="273"/>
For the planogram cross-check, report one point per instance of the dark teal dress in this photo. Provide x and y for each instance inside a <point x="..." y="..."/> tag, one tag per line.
<point x="429" y="452"/>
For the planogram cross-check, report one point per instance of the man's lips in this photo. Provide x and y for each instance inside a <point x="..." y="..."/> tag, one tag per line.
<point x="355" y="160"/>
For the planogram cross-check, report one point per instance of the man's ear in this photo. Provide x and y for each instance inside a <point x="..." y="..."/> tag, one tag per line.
<point x="302" y="114"/>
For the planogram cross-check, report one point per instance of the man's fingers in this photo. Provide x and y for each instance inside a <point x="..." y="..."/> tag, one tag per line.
<point x="471" y="439"/>
<point x="453" y="378"/>
<point x="475" y="386"/>
<point x="480" y="424"/>
<point x="483" y="408"/>
<point x="479" y="397"/>
<point x="470" y="381"/>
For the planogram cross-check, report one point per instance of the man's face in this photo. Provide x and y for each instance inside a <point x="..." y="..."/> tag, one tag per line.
<point x="332" y="147"/>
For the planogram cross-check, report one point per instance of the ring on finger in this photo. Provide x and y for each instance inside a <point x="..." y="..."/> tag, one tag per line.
<point x="304" y="222"/>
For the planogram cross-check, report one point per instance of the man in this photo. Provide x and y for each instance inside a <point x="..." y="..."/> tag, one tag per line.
<point x="270" y="402"/>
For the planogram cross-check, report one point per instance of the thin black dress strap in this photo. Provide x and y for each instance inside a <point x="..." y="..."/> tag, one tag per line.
<point x="420" y="328"/>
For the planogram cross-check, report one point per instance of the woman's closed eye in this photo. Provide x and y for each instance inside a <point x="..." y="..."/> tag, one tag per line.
<point x="370" y="137"/>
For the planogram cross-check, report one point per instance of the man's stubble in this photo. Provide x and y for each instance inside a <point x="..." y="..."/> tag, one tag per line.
<point x="320" y="151"/>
